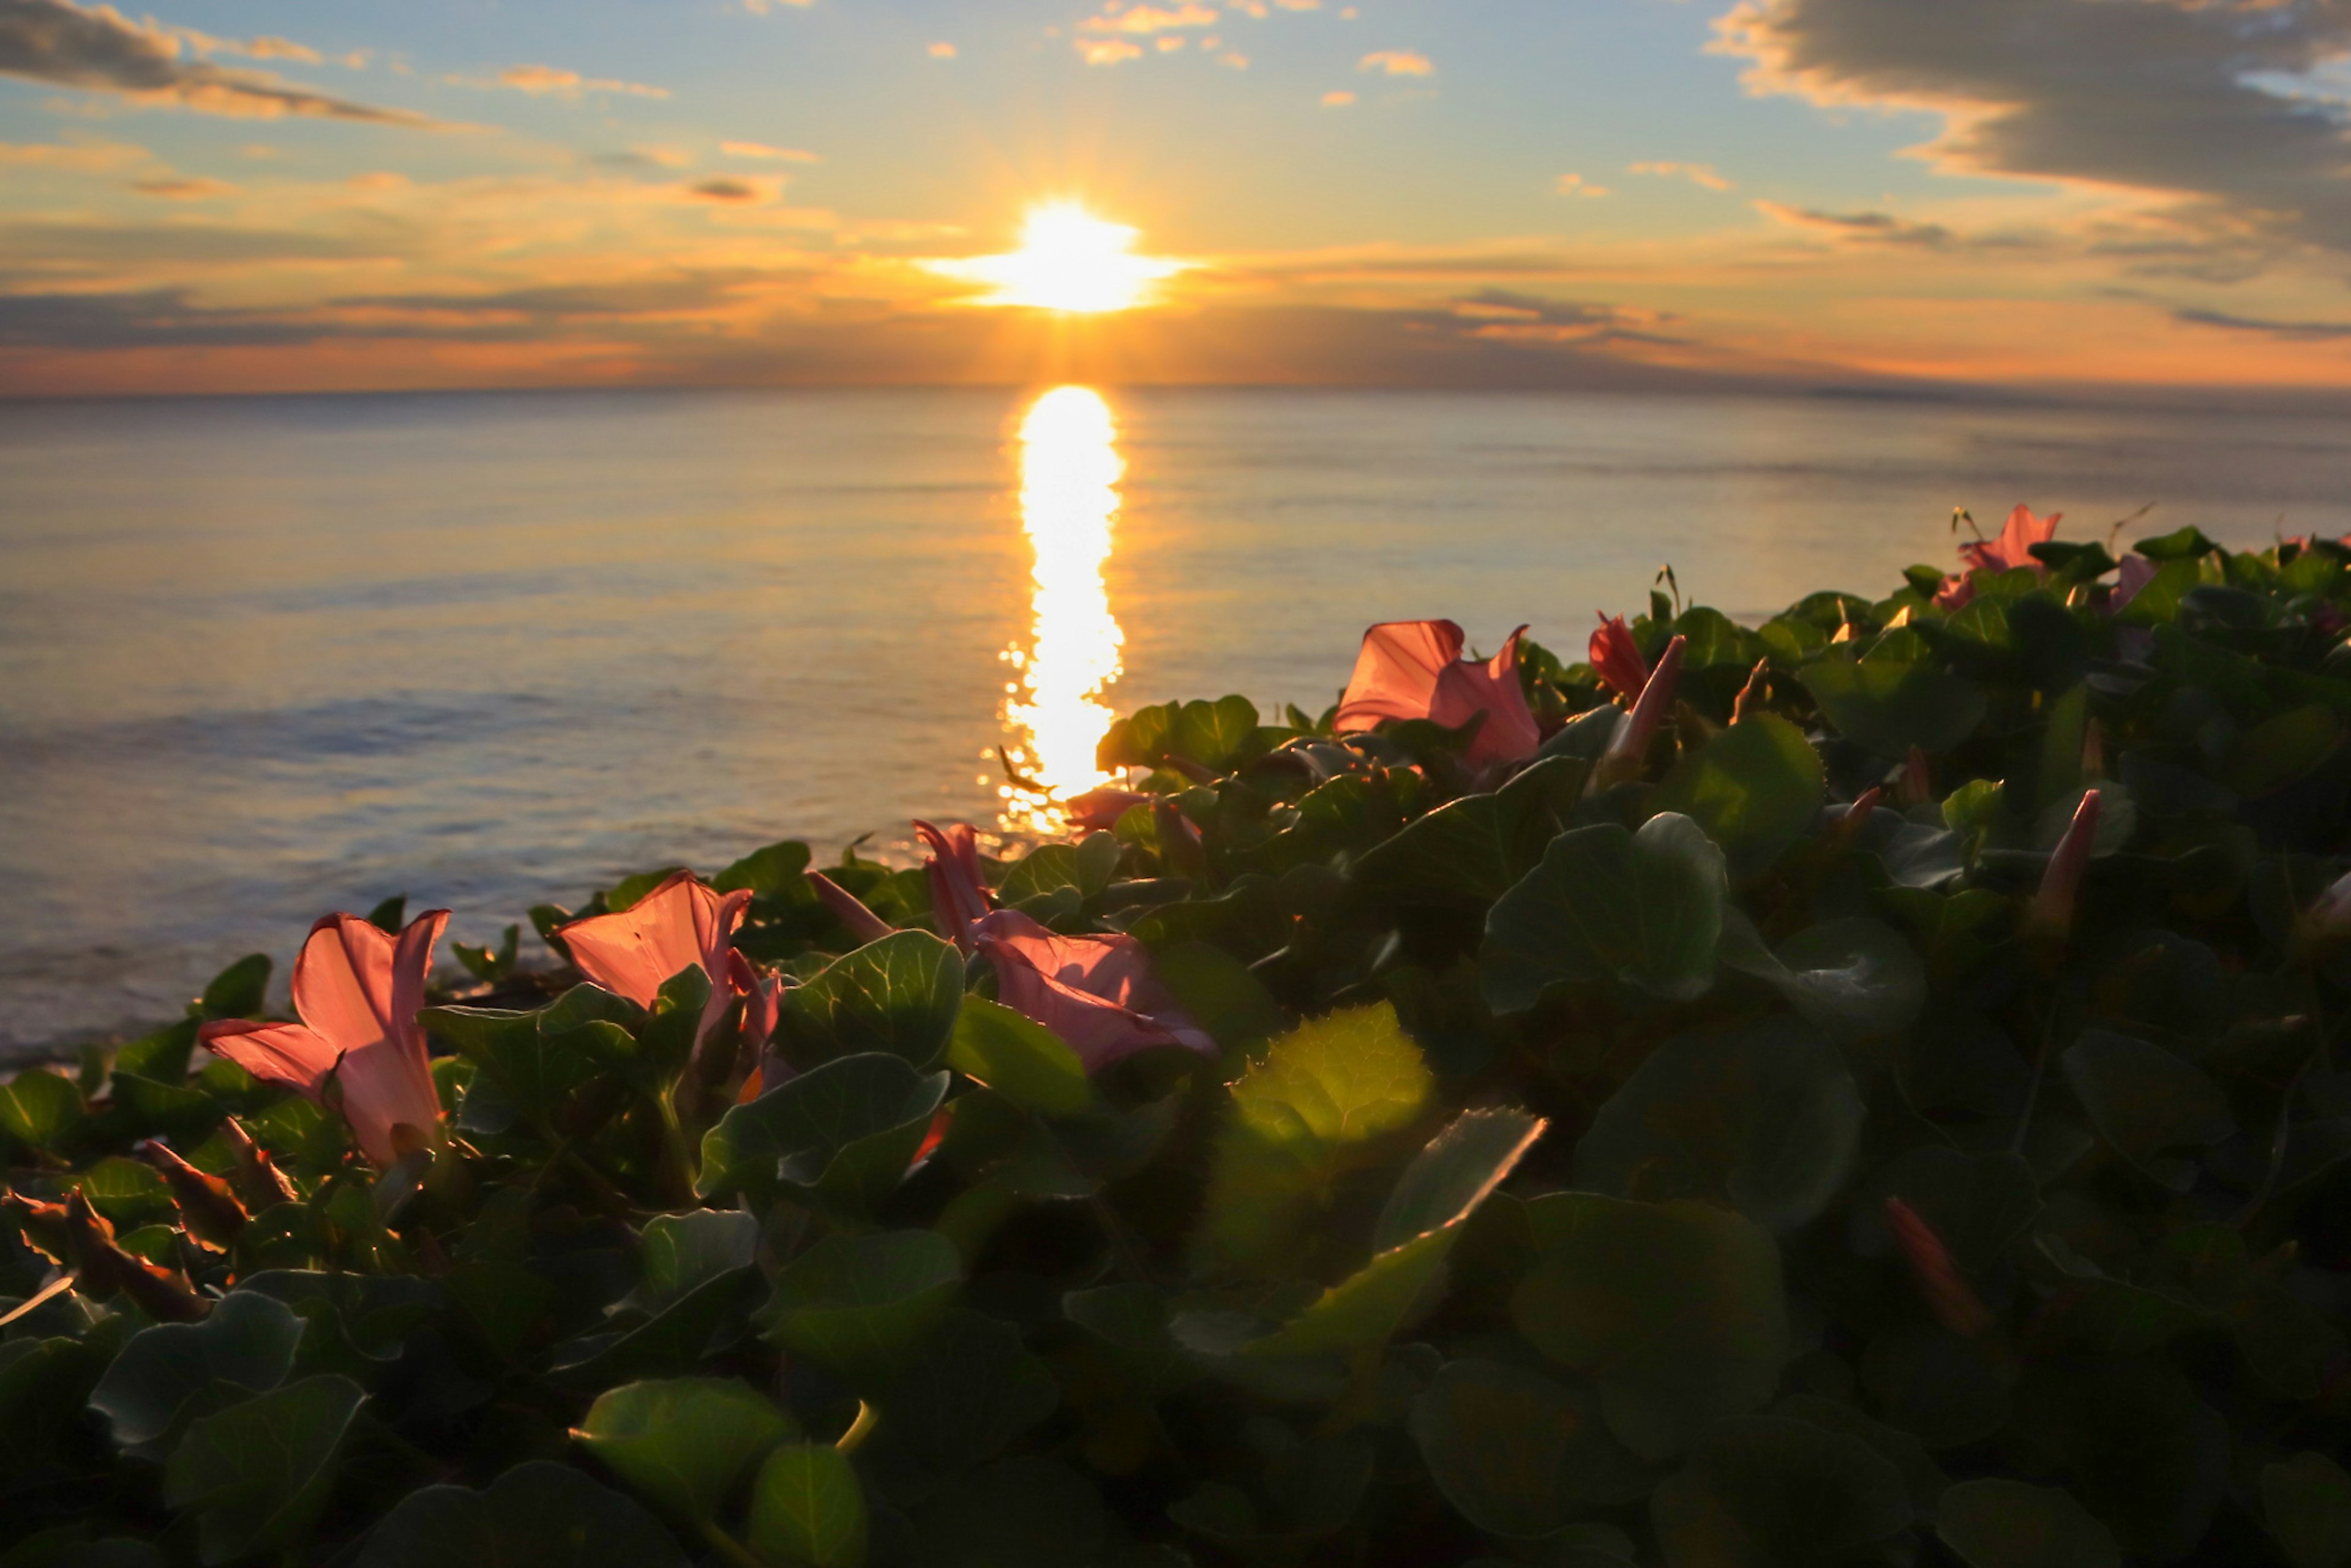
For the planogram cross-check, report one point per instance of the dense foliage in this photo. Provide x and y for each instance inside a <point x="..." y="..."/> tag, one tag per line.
<point x="1646" y="1156"/>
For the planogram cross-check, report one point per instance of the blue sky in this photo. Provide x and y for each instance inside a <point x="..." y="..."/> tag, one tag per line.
<point x="240" y="194"/>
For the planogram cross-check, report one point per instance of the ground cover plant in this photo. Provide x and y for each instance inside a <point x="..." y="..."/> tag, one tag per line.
<point x="1865" y="1088"/>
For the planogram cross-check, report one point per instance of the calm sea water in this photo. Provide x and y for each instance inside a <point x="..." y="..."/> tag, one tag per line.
<point x="263" y="659"/>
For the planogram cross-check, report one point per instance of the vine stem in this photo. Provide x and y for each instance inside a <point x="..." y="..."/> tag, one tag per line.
<point x="2040" y="1072"/>
<point x="727" y="1547"/>
<point x="860" y="1429"/>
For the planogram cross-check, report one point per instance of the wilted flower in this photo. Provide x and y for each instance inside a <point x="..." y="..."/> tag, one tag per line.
<point x="357" y="990"/>
<point x="680" y="925"/>
<point x="1414" y="669"/>
<point x="1096" y="992"/>
<point x="958" y="893"/>
<point x="1616" y="659"/>
<point x="2136" y="572"/>
<point x="102" y="1267"/>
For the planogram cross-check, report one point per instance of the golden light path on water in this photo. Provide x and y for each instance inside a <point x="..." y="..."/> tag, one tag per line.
<point x="1069" y="470"/>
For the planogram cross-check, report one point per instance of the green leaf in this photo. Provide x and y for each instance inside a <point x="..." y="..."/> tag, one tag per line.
<point x="1676" y="1310"/>
<point x="1767" y="1118"/>
<point x="1454" y="1173"/>
<point x="846" y="1129"/>
<point x="2306" y="1501"/>
<point x="1019" y="1058"/>
<point x="162" y="1056"/>
<point x="1890" y="704"/>
<point x="685" y="1442"/>
<point x="170" y="1372"/>
<point x="1218" y="736"/>
<point x="534" y="1072"/>
<point x="807" y="1509"/>
<point x="128" y="1192"/>
<point x="2144" y="1100"/>
<point x="40" y="1109"/>
<point x="1764" y="1491"/>
<point x="1324" y="1091"/>
<point x="862" y="1305"/>
<point x="2180" y="544"/>
<point x="1755" y="789"/>
<point x="1470" y="852"/>
<point x="537" y="1515"/>
<point x="1517" y="1454"/>
<point x="1643" y="909"/>
<point x="1220" y="993"/>
<point x="1024" y="1513"/>
<point x="778" y="869"/>
<point x="899" y="995"/>
<point x="683" y="1252"/>
<point x="1995" y="1522"/>
<point x="257" y="1475"/>
<point x="239" y="990"/>
<point x="1854" y="978"/>
<point x="388" y="915"/>
<point x="971" y="1389"/>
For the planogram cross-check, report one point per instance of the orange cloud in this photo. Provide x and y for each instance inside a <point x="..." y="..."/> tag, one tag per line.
<point x="1695" y="173"/>
<point x="1106" y="51"/>
<point x="1577" y="185"/>
<point x="1152" y="18"/>
<point x="761" y="150"/>
<point x="1397" y="63"/>
<point x="562" y="83"/>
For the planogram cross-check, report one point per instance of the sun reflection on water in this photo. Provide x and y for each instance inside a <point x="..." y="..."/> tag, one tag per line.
<point x="1069" y="470"/>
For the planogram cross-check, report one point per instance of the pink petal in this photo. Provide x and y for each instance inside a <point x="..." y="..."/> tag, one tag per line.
<point x="1414" y="669"/>
<point x="359" y="989"/>
<point x="283" y="1053"/>
<point x="1101" y="809"/>
<point x="2061" y="883"/>
<point x="343" y="981"/>
<point x="2137" y="571"/>
<point x="1633" y="732"/>
<point x="1096" y="992"/>
<point x="848" y="908"/>
<point x="1395" y="672"/>
<point x="958" y="893"/>
<point x="633" y="952"/>
<point x="1616" y="659"/>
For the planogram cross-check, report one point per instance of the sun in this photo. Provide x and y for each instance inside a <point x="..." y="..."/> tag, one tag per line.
<point x="1069" y="260"/>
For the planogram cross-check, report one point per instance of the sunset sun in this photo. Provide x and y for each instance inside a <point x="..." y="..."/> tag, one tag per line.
<point x="1069" y="260"/>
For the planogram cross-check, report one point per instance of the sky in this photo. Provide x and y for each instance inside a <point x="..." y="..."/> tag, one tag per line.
<point x="2141" y="196"/>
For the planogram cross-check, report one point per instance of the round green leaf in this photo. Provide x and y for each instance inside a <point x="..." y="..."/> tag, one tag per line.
<point x="1768" y="1118"/>
<point x="1755" y="789"/>
<point x="1676" y="1310"/>
<point x="257" y="1475"/>
<point x="1765" y="1492"/>
<point x="243" y="1347"/>
<point x="899" y="995"/>
<point x="1996" y="1523"/>
<point x="539" y="1515"/>
<point x="1644" y="909"/>
<point x="1892" y="705"/>
<point x="808" y="1510"/>
<point x="685" y="1442"/>
<point x="862" y="1304"/>
<point x="1518" y="1455"/>
<point x="1019" y="1058"/>
<point x="2146" y="1100"/>
<point x="2307" y="1502"/>
<point x="865" y="1115"/>
<point x="40" y="1109"/>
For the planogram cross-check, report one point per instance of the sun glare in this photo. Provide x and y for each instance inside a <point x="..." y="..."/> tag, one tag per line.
<point x="1069" y="260"/>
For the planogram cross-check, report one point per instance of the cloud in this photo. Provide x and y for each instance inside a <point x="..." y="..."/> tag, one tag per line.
<point x="182" y="187"/>
<point x="77" y="157"/>
<point x="1577" y="185"/>
<point x="1695" y="173"/>
<point x="941" y="50"/>
<point x="273" y="48"/>
<point x="2170" y="97"/>
<point x="731" y="190"/>
<point x="1106" y="51"/>
<point x="98" y="49"/>
<point x="2285" y="331"/>
<point x="1151" y="19"/>
<point x="542" y="81"/>
<point x="1876" y="228"/>
<point x="1503" y="316"/>
<point x="761" y="150"/>
<point x="1337" y="99"/>
<point x="1397" y="63"/>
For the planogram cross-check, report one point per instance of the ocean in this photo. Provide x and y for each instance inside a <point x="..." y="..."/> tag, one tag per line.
<point x="265" y="658"/>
